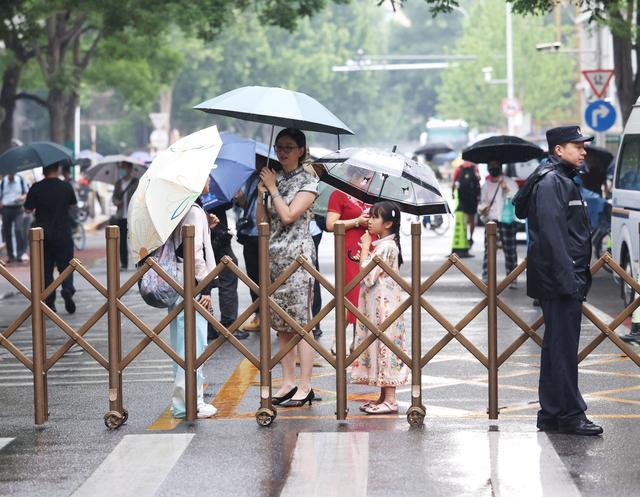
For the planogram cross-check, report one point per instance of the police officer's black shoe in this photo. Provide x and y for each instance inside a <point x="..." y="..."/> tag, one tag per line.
<point x="547" y="424"/>
<point x="582" y="427"/>
<point x="634" y="335"/>
<point x="241" y="335"/>
<point x="317" y="333"/>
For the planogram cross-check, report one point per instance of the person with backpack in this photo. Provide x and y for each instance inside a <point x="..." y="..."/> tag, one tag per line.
<point x="247" y="233"/>
<point x="204" y="264"/>
<point x="13" y="192"/>
<point x="559" y="254"/>
<point x="466" y="181"/>
<point x="496" y="205"/>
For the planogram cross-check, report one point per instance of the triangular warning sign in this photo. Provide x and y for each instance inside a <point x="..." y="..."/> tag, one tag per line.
<point x="598" y="80"/>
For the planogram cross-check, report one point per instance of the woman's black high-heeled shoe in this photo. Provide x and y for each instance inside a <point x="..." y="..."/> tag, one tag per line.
<point x="276" y="401"/>
<point x="299" y="403"/>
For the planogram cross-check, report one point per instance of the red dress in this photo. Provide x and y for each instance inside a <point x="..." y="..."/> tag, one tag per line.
<point x="349" y="208"/>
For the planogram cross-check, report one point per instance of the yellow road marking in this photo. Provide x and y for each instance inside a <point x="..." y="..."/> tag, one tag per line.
<point x="233" y="390"/>
<point x="165" y="421"/>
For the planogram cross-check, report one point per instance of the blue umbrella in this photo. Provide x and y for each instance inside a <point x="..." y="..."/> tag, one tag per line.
<point x="234" y="164"/>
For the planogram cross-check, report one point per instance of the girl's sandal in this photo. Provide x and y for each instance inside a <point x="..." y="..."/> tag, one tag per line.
<point x="382" y="408"/>
<point x="367" y="405"/>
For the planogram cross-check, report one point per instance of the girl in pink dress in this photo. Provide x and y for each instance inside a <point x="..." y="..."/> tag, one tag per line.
<point x="379" y="296"/>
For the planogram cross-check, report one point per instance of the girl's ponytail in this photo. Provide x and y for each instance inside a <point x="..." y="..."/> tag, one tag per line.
<point x="396" y="236"/>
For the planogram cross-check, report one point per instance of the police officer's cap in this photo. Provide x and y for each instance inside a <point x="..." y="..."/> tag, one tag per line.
<point x="565" y="134"/>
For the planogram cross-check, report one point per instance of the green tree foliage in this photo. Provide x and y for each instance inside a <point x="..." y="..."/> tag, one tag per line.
<point x="425" y="35"/>
<point x="544" y="83"/>
<point x="622" y="17"/>
<point x="65" y="36"/>
<point x="252" y="53"/>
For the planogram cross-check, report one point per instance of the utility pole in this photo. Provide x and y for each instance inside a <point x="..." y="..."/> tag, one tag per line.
<point x="510" y="90"/>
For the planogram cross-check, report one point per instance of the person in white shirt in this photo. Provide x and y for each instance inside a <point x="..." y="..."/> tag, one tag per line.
<point x="13" y="192"/>
<point x="495" y="205"/>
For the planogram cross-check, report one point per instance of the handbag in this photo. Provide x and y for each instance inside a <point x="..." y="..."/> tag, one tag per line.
<point x="246" y="222"/>
<point x="508" y="212"/>
<point x="483" y="210"/>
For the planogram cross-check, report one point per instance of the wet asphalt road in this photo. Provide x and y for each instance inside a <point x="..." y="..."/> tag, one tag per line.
<point x="457" y="452"/>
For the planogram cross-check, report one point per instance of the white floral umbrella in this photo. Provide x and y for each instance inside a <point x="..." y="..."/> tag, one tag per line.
<point x="165" y="192"/>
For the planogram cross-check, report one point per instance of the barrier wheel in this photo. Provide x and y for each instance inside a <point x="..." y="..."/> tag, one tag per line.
<point x="125" y="415"/>
<point x="113" y="420"/>
<point x="265" y="416"/>
<point x="415" y="416"/>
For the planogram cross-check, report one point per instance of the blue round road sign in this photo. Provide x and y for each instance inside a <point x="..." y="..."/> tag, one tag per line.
<point x="600" y="115"/>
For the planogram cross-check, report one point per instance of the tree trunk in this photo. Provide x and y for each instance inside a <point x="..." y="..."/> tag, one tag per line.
<point x="625" y="77"/>
<point x="10" y="80"/>
<point x="57" y="113"/>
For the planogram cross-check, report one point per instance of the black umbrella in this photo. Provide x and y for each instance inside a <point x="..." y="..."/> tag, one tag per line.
<point x="598" y="158"/>
<point x="502" y="148"/>
<point x="33" y="155"/>
<point x="431" y="149"/>
<point x="373" y="175"/>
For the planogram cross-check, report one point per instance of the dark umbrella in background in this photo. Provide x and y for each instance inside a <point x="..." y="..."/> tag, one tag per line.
<point x="33" y="155"/>
<point x="372" y="175"/>
<point x="597" y="161"/>
<point x="598" y="158"/>
<point x="429" y="150"/>
<point x="502" y="148"/>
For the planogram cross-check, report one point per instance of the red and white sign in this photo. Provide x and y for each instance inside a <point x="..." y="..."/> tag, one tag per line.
<point x="510" y="107"/>
<point x="598" y="79"/>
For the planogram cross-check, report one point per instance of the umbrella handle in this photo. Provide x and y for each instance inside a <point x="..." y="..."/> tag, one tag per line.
<point x="351" y="257"/>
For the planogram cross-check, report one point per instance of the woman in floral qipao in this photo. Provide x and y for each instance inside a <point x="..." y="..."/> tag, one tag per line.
<point x="293" y="191"/>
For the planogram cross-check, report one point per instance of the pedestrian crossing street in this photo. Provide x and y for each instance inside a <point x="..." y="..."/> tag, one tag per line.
<point x="491" y="463"/>
<point x="75" y="369"/>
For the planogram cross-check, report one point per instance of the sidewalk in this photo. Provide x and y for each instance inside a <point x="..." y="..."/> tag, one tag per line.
<point x="95" y="251"/>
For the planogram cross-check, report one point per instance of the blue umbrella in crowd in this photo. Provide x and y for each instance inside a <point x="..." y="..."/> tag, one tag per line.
<point x="32" y="156"/>
<point x="235" y="163"/>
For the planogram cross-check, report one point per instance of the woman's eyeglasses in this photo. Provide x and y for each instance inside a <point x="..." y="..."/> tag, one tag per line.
<point x="282" y="148"/>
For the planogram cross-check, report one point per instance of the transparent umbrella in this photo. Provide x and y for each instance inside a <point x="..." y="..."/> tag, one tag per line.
<point x="372" y="175"/>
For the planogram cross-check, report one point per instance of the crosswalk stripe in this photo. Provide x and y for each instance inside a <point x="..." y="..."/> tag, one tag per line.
<point x="5" y="441"/>
<point x="514" y="464"/>
<point x="329" y="464"/>
<point x="136" y="467"/>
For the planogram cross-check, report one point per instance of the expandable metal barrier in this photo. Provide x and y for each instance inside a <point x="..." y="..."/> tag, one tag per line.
<point x="416" y="288"/>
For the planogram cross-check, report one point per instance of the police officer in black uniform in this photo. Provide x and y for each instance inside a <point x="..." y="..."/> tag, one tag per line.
<point x="558" y="275"/>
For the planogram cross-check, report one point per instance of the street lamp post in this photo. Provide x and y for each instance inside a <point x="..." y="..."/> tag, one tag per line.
<point x="509" y="81"/>
<point x="510" y="91"/>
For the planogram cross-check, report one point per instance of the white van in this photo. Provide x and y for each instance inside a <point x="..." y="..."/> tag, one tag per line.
<point x="625" y="213"/>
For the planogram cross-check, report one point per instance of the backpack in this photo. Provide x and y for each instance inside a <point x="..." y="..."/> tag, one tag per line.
<point x="523" y="196"/>
<point x="468" y="183"/>
<point x="154" y="290"/>
<point x="23" y="187"/>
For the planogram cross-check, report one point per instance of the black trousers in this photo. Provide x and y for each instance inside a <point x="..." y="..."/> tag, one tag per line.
<point x="317" y="297"/>
<point x="252" y="263"/>
<point x="58" y="253"/>
<point x="560" y="398"/>
<point x="227" y="286"/>
<point x="124" y="246"/>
